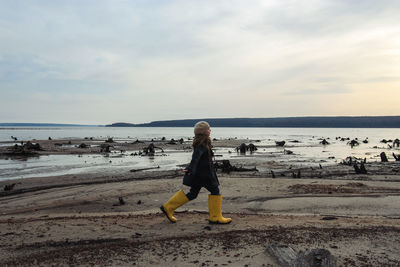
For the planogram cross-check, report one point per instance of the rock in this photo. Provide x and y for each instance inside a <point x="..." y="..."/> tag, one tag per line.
<point x="286" y="256"/>
<point x="315" y="258"/>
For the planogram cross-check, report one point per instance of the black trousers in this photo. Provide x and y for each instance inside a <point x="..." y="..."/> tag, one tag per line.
<point x="194" y="191"/>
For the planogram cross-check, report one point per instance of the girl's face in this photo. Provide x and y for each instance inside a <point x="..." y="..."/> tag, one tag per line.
<point x="208" y="132"/>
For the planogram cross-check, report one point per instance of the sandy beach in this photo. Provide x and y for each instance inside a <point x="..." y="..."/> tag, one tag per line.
<point x="78" y="219"/>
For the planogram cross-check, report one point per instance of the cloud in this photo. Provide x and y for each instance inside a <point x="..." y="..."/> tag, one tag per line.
<point x="148" y="60"/>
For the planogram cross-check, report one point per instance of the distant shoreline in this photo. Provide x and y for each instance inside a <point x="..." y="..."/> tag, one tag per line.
<point x="286" y="122"/>
<point x="283" y="122"/>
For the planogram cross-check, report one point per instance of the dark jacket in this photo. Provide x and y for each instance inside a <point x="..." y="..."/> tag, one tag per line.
<point x="201" y="170"/>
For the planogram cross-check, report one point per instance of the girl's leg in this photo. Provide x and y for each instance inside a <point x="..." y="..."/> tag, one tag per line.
<point x="214" y="190"/>
<point x="194" y="191"/>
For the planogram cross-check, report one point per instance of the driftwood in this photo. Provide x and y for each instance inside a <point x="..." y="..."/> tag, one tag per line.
<point x="384" y="157"/>
<point x="287" y="256"/>
<point x="144" y="169"/>
<point x="273" y="174"/>
<point x="226" y="167"/>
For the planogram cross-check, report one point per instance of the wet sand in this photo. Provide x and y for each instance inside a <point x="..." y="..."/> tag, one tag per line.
<point x="78" y="219"/>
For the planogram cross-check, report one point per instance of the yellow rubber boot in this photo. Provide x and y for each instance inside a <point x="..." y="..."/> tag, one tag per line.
<point x="214" y="208"/>
<point x="171" y="205"/>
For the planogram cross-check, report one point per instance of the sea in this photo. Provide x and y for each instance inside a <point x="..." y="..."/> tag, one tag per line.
<point x="303" y="142"/>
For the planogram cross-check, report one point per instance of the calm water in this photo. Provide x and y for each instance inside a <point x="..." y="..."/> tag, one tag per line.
<point x="306" y="151"/>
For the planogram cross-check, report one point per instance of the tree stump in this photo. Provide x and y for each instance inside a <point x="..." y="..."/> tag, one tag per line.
<point x="384" y="157"/>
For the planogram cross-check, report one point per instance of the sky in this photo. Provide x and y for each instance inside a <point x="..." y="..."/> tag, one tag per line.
<point x="100" y="62"/>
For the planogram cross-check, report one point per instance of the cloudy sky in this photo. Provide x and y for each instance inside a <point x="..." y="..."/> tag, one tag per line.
<point x="101" y="61"/>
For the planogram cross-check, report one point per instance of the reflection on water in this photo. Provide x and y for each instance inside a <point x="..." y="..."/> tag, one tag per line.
<point x="303" y="142"/>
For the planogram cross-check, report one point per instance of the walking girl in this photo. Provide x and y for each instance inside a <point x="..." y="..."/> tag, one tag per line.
<point x="200" y="173"/>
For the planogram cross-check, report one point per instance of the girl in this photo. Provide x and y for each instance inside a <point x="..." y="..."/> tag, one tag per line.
<point x="200" y="173"/>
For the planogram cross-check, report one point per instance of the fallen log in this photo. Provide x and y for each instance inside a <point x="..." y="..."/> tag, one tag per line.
<point x="144" y="169"/>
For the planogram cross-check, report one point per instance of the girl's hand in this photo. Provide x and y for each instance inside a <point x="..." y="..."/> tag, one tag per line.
<point x="184" y="170"/>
